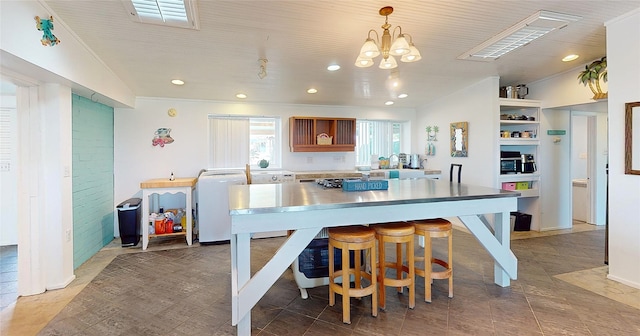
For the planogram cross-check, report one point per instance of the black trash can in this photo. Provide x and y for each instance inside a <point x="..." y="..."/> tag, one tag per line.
<point x="522" y="221"/>
<point x="129" y="221"/>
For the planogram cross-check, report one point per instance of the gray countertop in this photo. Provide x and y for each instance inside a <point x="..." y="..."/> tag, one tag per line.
<point x="290" y="197"/>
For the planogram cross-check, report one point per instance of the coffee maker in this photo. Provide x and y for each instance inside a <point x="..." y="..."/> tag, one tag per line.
<point x="528" y="164"/>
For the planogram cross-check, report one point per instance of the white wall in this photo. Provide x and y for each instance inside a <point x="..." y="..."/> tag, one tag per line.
<point x="555" y="167"/>
<point x="477" y="105"/>
<point x="55" y="108"/>
<point x="579" y="147"/>
<point x="623" y="55"/>
<point x="564" y="94"/>
<point x="70" y="62"/>
<point x="563" y="89"/>
<point x="137" y="160"/>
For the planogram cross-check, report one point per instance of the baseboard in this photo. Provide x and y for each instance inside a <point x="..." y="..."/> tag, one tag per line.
<point x="64" y="284"/>
<point x="623" y="281"/>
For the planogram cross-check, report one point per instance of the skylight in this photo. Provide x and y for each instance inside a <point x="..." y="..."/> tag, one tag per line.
<point x="175" y="13"/>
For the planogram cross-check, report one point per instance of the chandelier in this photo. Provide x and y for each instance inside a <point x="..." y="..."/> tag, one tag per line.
<point x="400" y="47"/>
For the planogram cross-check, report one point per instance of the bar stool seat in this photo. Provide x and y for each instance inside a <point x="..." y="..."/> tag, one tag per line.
<point x="352" y="238"/>
<point x="434" y="228"/>
<point x="398" y="233"/>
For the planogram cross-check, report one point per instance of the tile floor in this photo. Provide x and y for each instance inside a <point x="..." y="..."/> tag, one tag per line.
<point x="121" y="291"/>
<point x="8" y="275"/>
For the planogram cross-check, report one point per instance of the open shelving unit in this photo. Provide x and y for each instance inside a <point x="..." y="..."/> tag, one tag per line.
<point x="303" y="133"/>
<point x="516" y="110"/>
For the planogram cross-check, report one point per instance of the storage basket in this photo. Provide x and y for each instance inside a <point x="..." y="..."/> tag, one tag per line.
<point x="324" y="139"/>
<point x="509" y="186"/>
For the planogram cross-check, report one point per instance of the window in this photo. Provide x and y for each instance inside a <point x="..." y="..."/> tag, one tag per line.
<point x="377" y="137"/>
<point x="237" y="140"/>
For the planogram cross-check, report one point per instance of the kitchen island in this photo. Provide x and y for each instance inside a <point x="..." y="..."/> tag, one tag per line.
<point x="306" y="208"/>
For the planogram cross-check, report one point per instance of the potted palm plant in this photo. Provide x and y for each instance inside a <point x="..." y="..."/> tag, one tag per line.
<point x="592" y="74"/>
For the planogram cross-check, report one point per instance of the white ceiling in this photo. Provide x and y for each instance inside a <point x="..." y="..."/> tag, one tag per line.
<point x="301" y="38"/>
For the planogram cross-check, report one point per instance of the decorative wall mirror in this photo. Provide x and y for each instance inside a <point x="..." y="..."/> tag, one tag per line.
<point x="459" y="139"/>
<point x="632" y="138"/>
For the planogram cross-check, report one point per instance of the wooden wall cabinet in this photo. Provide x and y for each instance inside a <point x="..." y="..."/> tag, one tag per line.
<point x="303" y="132"/>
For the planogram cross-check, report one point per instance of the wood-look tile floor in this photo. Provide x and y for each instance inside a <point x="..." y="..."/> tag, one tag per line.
<point x="174" y="290"/>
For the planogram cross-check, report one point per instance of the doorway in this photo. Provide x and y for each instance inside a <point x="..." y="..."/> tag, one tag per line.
<point x="588" y="162"/>
<point x="8" y="194"/>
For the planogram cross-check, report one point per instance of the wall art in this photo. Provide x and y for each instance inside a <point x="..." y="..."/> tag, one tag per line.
<point x="432" y="133"/>
<point x="459" y="139"/>
<point x="46" y="26"/>
<point x="162" y="137"/>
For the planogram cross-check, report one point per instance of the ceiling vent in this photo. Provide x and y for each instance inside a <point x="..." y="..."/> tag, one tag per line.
<point x="173" y="13"/>
<point x="518" y="35"/>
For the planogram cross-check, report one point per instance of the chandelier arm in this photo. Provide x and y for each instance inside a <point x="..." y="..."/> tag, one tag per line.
<point x="394" y="31"/>
<point x="377" y="36"/>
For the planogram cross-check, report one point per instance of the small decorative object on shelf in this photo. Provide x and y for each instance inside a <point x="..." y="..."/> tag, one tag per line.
<point x="324" y="139"/>
<point x="172" y="178"/>
<point x="263" y="163"/>
<point x="593" y="73"/>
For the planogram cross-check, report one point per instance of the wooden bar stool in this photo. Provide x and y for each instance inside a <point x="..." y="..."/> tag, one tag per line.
<point x="398" y="233"/>
<point x="434" y="228"/>
<point x="352" y="238"/>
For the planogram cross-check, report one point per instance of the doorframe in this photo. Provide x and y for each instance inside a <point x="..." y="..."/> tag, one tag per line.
<point x="592" y="161"/>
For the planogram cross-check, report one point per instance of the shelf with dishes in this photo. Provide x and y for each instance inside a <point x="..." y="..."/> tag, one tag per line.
<point x="518" y="121"/>
<point x="519" y="141"/>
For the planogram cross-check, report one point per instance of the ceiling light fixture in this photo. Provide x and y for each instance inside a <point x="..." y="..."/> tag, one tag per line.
<point x="400" y="47"/>
<point x="403" y="95"/>
<point x="241" y="95"/>
<point x="518" y="35"/>
<point x="389" y="102"/>
<point x="262" y="73"/>
<point x="175" y="13"/>
<point x="333" y="67"/>
<point x="570" y="58"/>
<point x="312" y="90"/>
<point x="177" y="82"/>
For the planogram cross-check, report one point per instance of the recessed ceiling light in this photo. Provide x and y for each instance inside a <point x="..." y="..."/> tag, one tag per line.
<point x="388" y="103"/>
<point x="312" y="90"/>
<point x="177" y="82"/>
<point x="570" y="58"/>
<point x="333" y="67"/>
<point x="241" y="95"/>
<point x="403" y="95"/>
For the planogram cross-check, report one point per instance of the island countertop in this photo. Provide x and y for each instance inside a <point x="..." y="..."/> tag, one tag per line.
<point x="292" y="197"/>
<point x="307" y="208"/>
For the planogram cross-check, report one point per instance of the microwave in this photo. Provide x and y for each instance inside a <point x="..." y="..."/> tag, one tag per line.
<point x="510" y="165"/>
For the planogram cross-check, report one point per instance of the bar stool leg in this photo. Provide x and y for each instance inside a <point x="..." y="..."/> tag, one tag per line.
<point x="412" y="273"/>
<point x="381" y="266"/>
<point x="399" y="265"/>
<point x="346" y="316"/>
<point x="450" y="263"/>
<point x="427" y="268"/>
<point x="332" y="293"/>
